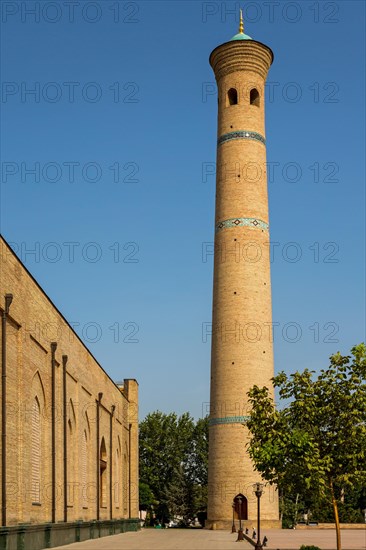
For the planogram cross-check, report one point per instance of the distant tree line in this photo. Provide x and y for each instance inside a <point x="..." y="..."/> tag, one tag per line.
<point x="173" y="467"/>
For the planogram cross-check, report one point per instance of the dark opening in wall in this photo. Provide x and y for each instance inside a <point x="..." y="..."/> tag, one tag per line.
<point x="232" y="96"/>
<point x="103" y="474"/>
<point x="254" y="97"/>
<point x="240" y="507"/>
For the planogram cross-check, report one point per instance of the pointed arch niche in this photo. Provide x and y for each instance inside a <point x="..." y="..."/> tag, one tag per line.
<point x="37" y="435"/>
<point x="71" y="454"/>
<point x="103" y="474"/>
<point x="117" y="475"/>
<point x="125" y="473"/>
<point x="36" y="452"/>
<point x="85" y="466"/>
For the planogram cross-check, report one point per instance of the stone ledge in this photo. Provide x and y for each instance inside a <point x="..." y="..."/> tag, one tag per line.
<point x="48" y="535"/>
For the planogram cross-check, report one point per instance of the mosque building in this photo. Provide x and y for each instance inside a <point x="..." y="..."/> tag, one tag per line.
<point x="69" y="445"/>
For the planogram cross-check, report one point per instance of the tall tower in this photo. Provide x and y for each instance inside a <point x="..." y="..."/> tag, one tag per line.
<point x="242" y="352"/>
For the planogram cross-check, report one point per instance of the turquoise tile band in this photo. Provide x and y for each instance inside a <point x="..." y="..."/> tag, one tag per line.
<point x="241" y="134"/>
<point x="228" y="420"/>
<point x="242" y="222"/>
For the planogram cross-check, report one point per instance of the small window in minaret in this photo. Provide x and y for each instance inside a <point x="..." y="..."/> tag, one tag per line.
<point x="232" y="96"/>
<point x="254" y="97"/>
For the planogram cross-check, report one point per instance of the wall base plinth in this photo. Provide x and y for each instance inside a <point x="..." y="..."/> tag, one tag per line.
<point x="39" y="536"/>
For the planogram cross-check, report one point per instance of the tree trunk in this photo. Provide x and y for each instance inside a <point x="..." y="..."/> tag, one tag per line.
<point x="282" y="505"/>
<point x="336" y="516"/>
<point x="296" y="508"/>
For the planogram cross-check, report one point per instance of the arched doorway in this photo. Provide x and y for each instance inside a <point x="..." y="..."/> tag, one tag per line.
<point x="240" y="507"/>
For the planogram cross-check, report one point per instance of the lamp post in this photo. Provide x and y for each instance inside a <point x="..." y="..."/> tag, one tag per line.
<point x="233" y="529"/>
<point x="258" y="490"/>
<point x="240" y="532"/>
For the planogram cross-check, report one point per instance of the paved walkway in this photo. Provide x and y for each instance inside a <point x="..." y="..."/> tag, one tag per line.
<point x="291" y="539"/>
<point x="163" y="539"/>
<point x="200" y="539"/>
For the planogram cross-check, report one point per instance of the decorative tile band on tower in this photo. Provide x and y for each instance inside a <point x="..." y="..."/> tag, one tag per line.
<point x="229" y="420"/>
<point x="241" y="134"/>
<point x="242" y="222"/>
<point x="241" y="351"/>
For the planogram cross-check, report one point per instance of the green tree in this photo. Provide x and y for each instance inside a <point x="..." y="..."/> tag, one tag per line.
<point x="178" y="496"/>
<point x="316" y="444"/>
<point x="146" y="496"/>
<point x="319" y="508"/>
<point x="197" y="463"/>
<point x="146" y="501"/>
<point x="196" y="471"/>
<point x="173" y="463"/>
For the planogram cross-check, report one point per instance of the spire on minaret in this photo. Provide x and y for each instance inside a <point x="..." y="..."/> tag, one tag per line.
<point x="241" y="25"/>
<point x="241" y="35"/>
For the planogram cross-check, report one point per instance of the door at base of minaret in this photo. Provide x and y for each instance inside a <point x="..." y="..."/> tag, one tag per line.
<point x="240" y="507"/>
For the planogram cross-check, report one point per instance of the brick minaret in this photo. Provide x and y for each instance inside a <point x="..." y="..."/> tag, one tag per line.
<point x="242" y="352"/>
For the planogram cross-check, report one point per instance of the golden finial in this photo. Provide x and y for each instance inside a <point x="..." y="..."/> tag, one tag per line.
<point x="241" y="26"/>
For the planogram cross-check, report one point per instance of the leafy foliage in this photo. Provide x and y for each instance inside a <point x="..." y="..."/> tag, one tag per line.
<point x="146" y="497"/>
<point x="320" y="509"/>
<point x="316" y="445"/>
<point x="173" y="463"/>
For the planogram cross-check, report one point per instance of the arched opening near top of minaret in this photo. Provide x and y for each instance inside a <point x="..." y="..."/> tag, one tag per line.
<point x="254" y="97"/>
<point x="241" y="507"/>
<point x="232" y="96"/>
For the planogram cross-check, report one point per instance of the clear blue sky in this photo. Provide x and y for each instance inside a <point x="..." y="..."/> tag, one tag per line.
<point x="132" y="90"/>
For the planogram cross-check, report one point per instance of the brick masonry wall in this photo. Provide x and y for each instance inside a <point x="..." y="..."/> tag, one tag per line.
<point x="33" y="324"/>
<point x="242" y="353"/>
